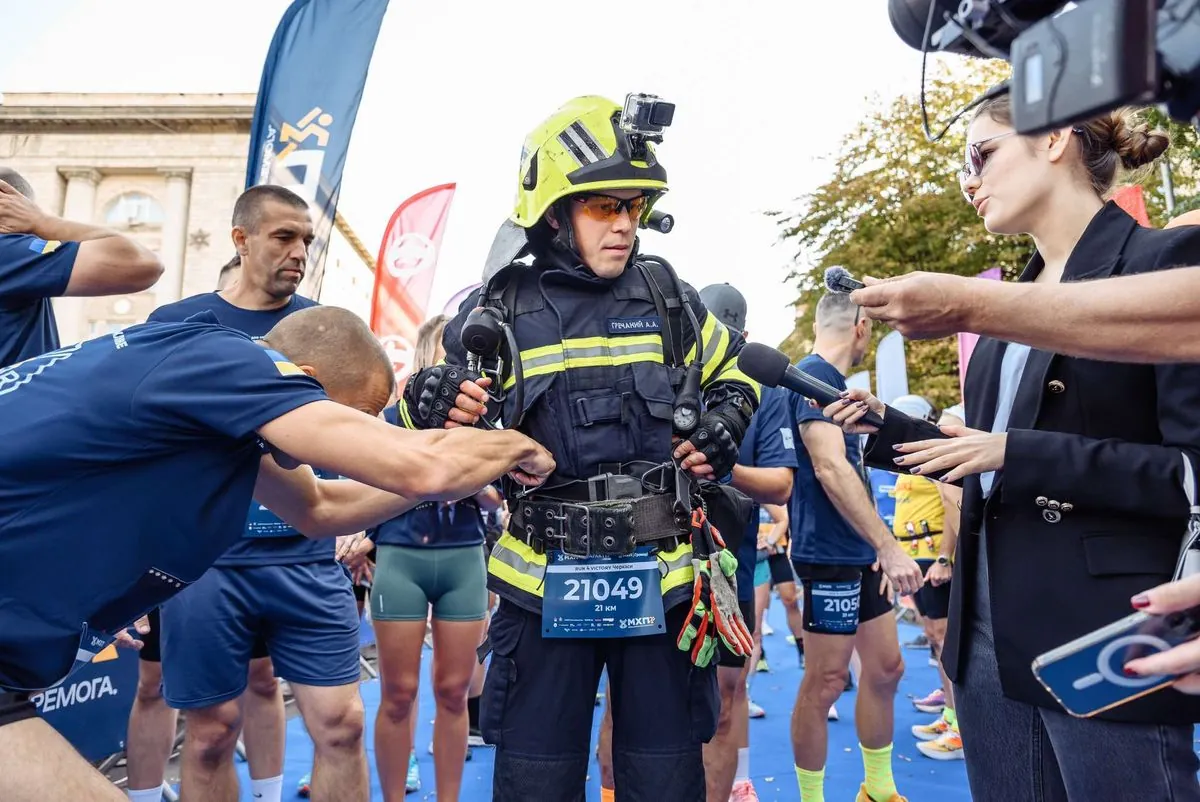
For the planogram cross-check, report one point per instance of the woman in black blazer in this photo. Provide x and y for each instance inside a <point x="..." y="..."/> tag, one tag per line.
<point x="1072" y="482"/>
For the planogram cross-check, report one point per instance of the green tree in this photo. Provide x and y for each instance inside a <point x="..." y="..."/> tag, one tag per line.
<point x="894" y="205"/>
<point x="1182" y="157"/>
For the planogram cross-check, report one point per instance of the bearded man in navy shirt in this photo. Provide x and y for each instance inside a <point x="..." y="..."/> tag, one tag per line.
<point x="133" y="458"/>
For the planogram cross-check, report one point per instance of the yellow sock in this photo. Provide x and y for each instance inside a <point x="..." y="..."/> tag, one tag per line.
<point x="812" y="785"/>
<point x="951" y="718"/>
<point x="878" y="765"/>
<point x="608" y="794"/>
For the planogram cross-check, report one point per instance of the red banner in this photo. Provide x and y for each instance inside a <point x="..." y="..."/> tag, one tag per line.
<point x="1133" y="200"/>
<point x="404" y="272"/>
<point x="966" y="340"/>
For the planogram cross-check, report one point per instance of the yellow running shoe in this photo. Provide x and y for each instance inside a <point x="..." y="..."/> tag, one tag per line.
<point x="931" y="731"/>
<point x="948" y="747"/>
<point x="863" y="796"/>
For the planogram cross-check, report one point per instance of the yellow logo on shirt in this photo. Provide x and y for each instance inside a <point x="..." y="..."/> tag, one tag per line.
<point x="51" y="246"/>
<point x="109" y="652"/>
<point x="284" y="365"/>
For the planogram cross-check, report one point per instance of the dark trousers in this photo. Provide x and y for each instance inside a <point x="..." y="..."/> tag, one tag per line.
<point x="540" y="696"/>
<point x="1017" y="752"/>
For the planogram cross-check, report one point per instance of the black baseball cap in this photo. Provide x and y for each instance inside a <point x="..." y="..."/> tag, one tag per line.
<point x="724" y="301"/>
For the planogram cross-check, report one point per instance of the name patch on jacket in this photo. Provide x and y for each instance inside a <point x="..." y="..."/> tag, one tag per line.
<point x="633" y="325"/>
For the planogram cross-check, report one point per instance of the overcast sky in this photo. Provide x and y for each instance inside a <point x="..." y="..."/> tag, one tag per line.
<point x="764" y="90"/>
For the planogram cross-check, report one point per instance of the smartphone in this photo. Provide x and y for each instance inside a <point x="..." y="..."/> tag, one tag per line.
<point x="1086" y="676"/>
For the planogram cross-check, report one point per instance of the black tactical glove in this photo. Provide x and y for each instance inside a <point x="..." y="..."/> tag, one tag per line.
<point x="720" y="434"/>
<point x="432" y="393"/>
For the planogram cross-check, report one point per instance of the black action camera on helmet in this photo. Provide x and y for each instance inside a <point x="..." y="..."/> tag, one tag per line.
<point x="1071" y="61"/>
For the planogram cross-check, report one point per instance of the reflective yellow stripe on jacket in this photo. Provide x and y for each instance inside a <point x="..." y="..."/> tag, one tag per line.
<point x="516" y="564"/>
<point x="589" y="352"/>
<point x="718" y="364"/>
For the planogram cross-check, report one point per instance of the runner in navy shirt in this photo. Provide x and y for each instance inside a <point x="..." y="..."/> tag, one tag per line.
<point x="275" y="592"/>
<point x="766" y="461"/>
<point x="44" y="257"/>
<point x="132" y="458"/>
<point x="845" y="556"/>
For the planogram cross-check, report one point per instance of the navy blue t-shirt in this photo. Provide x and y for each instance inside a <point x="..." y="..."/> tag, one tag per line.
<point x="32" y="271"/>
<point x="129" y="462"/>
<point x="268" y="540"/>
<point x="769" y="443"/>
<point x="431" y="524"/>
<point x="819" y="532"/>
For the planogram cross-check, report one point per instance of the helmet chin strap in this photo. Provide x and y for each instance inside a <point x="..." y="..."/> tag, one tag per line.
<point x="564" y="236"/>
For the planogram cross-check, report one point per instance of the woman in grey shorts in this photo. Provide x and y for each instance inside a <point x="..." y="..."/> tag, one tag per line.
<point x="431" y="555"/>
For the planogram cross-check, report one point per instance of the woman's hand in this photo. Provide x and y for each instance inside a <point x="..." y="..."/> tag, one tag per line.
<point x="854" y="404"/>
<point x="1183" y="659"/>
<point x="939" y="574"/>
<point x="967" y="451"/>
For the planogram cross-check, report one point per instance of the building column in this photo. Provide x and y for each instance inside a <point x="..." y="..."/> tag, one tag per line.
<point x="174" y="233"/>
<point x="79" y="206"/>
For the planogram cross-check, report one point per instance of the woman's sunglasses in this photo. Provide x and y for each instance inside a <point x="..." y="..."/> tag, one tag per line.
<point x="605" y="208"/>
<point x="976" y="158"/>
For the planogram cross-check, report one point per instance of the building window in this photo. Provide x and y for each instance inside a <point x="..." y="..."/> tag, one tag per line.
<point x="132" y="210"/>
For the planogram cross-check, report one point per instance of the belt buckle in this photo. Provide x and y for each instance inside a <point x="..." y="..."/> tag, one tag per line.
<point x="534" y="516"/>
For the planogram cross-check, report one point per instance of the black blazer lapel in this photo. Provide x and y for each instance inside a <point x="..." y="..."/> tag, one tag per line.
<point x="982" y="386"/>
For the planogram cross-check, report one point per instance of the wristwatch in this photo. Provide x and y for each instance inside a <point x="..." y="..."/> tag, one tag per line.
<point x="942" y="559"/>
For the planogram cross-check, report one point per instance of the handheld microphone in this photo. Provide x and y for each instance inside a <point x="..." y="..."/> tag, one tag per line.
<point x="838" y="279"/>
<point x="771" y="368"/>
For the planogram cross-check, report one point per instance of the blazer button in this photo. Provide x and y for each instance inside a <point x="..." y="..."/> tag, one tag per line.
<point x="1052" y="516"/>
<point x="1067" y="506"/>
<point x="1056" y="386"/>
<point x="1041" y="501"/>
<point x="1052" y="504"/>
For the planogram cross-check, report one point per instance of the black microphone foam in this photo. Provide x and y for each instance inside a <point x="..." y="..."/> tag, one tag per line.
<point x="908" y="18"/>
<point x="772" y="368"/>
<point x="763" y="364"/>
<point x="838" y="279"/>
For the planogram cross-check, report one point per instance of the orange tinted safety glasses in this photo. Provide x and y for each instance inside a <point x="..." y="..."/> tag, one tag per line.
<point x="605" y="208"/>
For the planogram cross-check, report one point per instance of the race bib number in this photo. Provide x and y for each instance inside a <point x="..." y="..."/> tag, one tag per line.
<point x="261" y="522"/>
<point x="835" y="606"/>
<point x="602" y="597"/>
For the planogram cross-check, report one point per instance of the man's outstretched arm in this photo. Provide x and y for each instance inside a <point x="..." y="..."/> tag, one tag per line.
<point x="401" y="467"/>
<point x="1151" y="317"/>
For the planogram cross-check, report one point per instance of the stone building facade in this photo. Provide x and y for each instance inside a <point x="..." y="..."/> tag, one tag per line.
<point x="163" y="168"/>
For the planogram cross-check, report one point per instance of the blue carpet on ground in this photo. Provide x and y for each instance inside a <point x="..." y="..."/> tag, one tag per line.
<point x="918" y="777"/>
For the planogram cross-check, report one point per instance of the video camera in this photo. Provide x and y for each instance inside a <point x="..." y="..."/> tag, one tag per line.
<point x="646" y="116"/>
<point x="1071" y="60"/>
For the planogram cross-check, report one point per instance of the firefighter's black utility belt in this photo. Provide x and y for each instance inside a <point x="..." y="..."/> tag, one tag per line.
<point x="608" y="528"/>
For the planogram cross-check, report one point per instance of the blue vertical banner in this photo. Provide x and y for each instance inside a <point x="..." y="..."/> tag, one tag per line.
<point x="308" y="97"/>
<point x="891" y="369"/>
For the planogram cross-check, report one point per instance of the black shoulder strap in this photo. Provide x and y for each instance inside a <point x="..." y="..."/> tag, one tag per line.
<point x="668" y="300"/>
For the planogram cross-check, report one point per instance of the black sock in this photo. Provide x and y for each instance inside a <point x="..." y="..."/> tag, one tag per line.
<point x="473" y="712"/>
<point x="800" y="648"/>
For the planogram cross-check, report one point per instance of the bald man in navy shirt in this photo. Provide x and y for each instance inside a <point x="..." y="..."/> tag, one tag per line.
<point x="132" y="458"/>
<point x="44" y="257"/>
